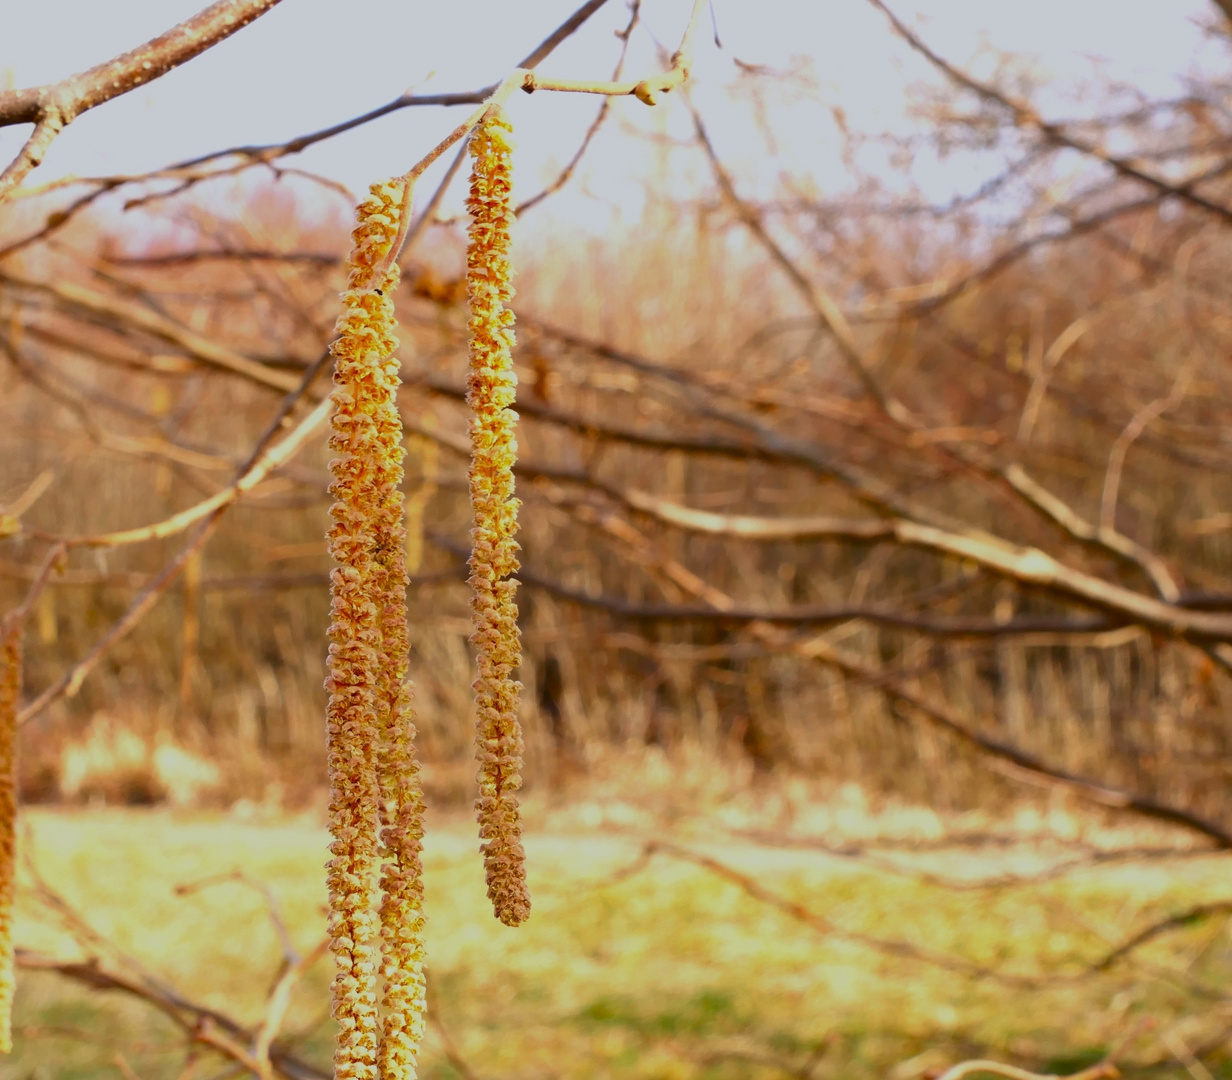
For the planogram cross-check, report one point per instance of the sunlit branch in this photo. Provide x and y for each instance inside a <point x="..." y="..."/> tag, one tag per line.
<point x="54" y="106"/>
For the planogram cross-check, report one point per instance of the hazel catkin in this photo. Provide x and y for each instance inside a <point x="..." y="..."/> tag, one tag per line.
<point x="375" y="809"/>
<point x="490" y="392"/>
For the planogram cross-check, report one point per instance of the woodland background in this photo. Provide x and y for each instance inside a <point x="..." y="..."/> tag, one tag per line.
<point x="858" y="522"/>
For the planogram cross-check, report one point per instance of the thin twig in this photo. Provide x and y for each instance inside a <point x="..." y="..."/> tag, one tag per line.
<point x="290" y="954"/>
<point x="1136" y="426"/>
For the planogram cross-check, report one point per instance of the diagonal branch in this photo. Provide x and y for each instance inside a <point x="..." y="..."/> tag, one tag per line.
<point x="74" y="296"/>
<point x="70" y="682"/>
<point x="1015" y="761"/>
<point x="827" y="312"/>
<point x="54" y="106"/>
<point x="270" y="151"/>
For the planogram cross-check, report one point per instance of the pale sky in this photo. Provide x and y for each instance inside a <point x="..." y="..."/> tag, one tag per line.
<point x="309" y="63"/>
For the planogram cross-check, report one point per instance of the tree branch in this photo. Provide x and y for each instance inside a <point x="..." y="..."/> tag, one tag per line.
<point x="1025" y="115"/>
<point x="54" y="106"/>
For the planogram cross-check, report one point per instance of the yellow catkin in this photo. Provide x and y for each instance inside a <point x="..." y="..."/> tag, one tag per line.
<point x="10" y="691"/>
<point x="401" y="811"/>
<point x="498" y="735"/>
<point x="373" y="777"/>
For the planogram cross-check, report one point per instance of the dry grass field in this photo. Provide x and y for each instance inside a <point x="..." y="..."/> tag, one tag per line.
<point x="647" y="968"/>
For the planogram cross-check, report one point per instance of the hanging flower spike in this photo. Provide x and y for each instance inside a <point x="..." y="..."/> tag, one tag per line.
<point x="498" y="735"/>
<point x="10" y="691"/>
<point x="404" y="1001"/>
<point x="372" y="774"/>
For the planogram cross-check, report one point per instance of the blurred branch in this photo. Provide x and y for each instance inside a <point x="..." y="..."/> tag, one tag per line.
<point x="137" y="317"/>
<point x="290" y="954"/>
<point x="124" y="973"/>
<point x="70" y="682"/>
<point x="766" y="444"/>
<point x="34" y="491"/>
<point x="185" y="258"/>
<point x="1025" y="115"/>
<point x="255" y="474"/>
<point x="1190" y="917"/>
<point x="1110" y="539"/>
<point x="819" y="649"/>
<point x="1101" y="1070"/>
<point x="277" y="1004"/>
<point x="448" y="1047"/>
<point x="901" y="950"/>
<point x="1136" y="426"/>
<point x="14" y="620"/>
<point x="828" y="313"/>
<point x="200" y="1023"/>
<point x="755" y="888"/>
<point x="866" y="855"/>
<point x="1021" y="764"/>
<point x="1030" y="566"/>
<point x="54" y="106"/>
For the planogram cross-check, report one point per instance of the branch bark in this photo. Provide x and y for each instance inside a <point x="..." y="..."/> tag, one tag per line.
<point x="53" y="106"/>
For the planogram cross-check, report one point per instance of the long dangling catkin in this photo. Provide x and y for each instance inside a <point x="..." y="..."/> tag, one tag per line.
<point x="498" y="735"/>
<point x="373" y="776"/>
<point x="10" y="691"/>
<point x="404" y="1001"/>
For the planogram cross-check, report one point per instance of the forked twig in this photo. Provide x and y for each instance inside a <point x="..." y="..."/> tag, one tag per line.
<point x="290" y="954"/>
<point x="203" y="1025"/>
<point x="1136" y="426"/>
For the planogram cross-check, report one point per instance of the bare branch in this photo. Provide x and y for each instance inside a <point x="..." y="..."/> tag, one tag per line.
<point x="13" y="621"/>
<point x="1016" y="761"/>
<point x="1026" y="564"/>
<point x="1080" y="529"/>
<point x="1020" y="763"/>
<point x="290" y="954"/>
<point x="141" y="318"/>
<point x="902" y="950"/>
<point x="563" y="178"/>
<point x="270" y="151"/>
<point x="31" y="155"/>
<point x="828" y="313"/>
<point x="177" y="523"/>
<point x="54" y="106"/>
<point x="1136" y="426"/>
<point x="70" y="682"/>
<point x="1025" y="115"/>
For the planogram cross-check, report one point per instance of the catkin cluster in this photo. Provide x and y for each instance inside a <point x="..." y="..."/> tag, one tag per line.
<point x="10" y="690"/>
<point x="376" y="806"/>
<point x="490" y="392"/>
